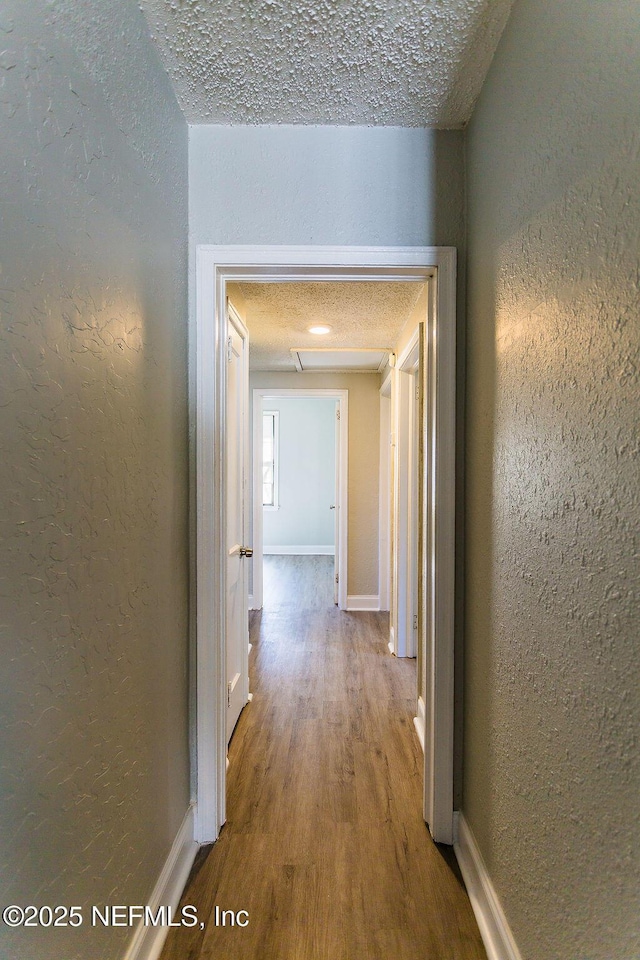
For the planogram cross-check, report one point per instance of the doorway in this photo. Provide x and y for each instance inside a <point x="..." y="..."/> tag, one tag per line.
<point x="339" y="506"/>
<point x="215" y="266"/>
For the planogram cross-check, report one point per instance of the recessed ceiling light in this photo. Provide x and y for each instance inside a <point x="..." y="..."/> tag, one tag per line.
<point x="319" y="329"/>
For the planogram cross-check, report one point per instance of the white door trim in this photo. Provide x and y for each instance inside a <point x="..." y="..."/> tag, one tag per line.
<point x="342" y="396"/>
<point x="437" y="565"/>
<point x="404" y="548"/>
<point x="215" y="266"/>
<point x="408" y="359"/>
<point x="384" y="497"/>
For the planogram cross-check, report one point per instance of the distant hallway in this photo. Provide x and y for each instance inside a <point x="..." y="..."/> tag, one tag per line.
<point x="325" y="846"/>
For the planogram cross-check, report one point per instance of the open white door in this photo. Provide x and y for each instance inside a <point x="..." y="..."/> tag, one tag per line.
<point x="237" y="619"/>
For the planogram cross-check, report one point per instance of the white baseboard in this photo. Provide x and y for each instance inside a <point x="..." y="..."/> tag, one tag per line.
<point x="419" y="722"/>
<point x="316" y="550"/>
<point x="147" y="941"/>
<point x="494" y="929"/>
<point x="363" y="603"/>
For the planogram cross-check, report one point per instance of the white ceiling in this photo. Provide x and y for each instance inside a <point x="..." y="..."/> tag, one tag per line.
<point x="408" y="63"/>
<point x="362" y="314"/>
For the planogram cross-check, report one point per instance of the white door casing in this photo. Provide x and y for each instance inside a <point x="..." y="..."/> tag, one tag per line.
<point x="215" y="266"/>
<point x="403" y="626"/>
<point x="384" y="504"/>
<point x="436" y="585"/>
<point x="414" y="477"/>
<point x="337" y="506"/>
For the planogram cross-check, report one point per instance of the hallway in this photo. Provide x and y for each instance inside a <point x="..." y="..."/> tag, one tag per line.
<point x="324" y="844"/>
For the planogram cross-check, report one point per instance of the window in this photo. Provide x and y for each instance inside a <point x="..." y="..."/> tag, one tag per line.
<point x="270" y="459"/>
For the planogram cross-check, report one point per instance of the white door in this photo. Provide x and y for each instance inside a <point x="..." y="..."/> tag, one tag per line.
<point x="237" y="619"/>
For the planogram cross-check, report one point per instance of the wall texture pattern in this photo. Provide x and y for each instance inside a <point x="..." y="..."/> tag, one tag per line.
<point x="327" y="185"/>
<point x="553" y="495"/>
<point x="93" y="357"/>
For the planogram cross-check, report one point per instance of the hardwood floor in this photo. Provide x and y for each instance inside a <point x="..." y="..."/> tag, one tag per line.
<point x="325" y="846"/>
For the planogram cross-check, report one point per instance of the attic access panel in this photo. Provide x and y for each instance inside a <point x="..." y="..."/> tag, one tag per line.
<point x="336" y="360"/>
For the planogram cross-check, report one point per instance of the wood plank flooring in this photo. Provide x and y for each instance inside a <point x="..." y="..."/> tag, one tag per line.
<point x="325" y="846"/>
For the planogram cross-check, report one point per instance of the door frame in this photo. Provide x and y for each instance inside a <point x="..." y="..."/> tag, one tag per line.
<point x="278" y="393"/>
<point x="384" y="497"/>
<point x="402" y="634"/>
<point x="215" y="266"/>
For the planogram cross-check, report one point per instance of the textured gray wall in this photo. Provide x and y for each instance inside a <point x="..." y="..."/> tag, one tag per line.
<point x="93" y="585"/>
<point x="553" y="504"/>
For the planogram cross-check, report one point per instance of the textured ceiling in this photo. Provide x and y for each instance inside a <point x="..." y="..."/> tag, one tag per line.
<point x="373" y="62"/>
<point x="362" y="314"/>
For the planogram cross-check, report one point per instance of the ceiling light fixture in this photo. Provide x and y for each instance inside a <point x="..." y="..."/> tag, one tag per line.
<point x="319" y="329"/>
